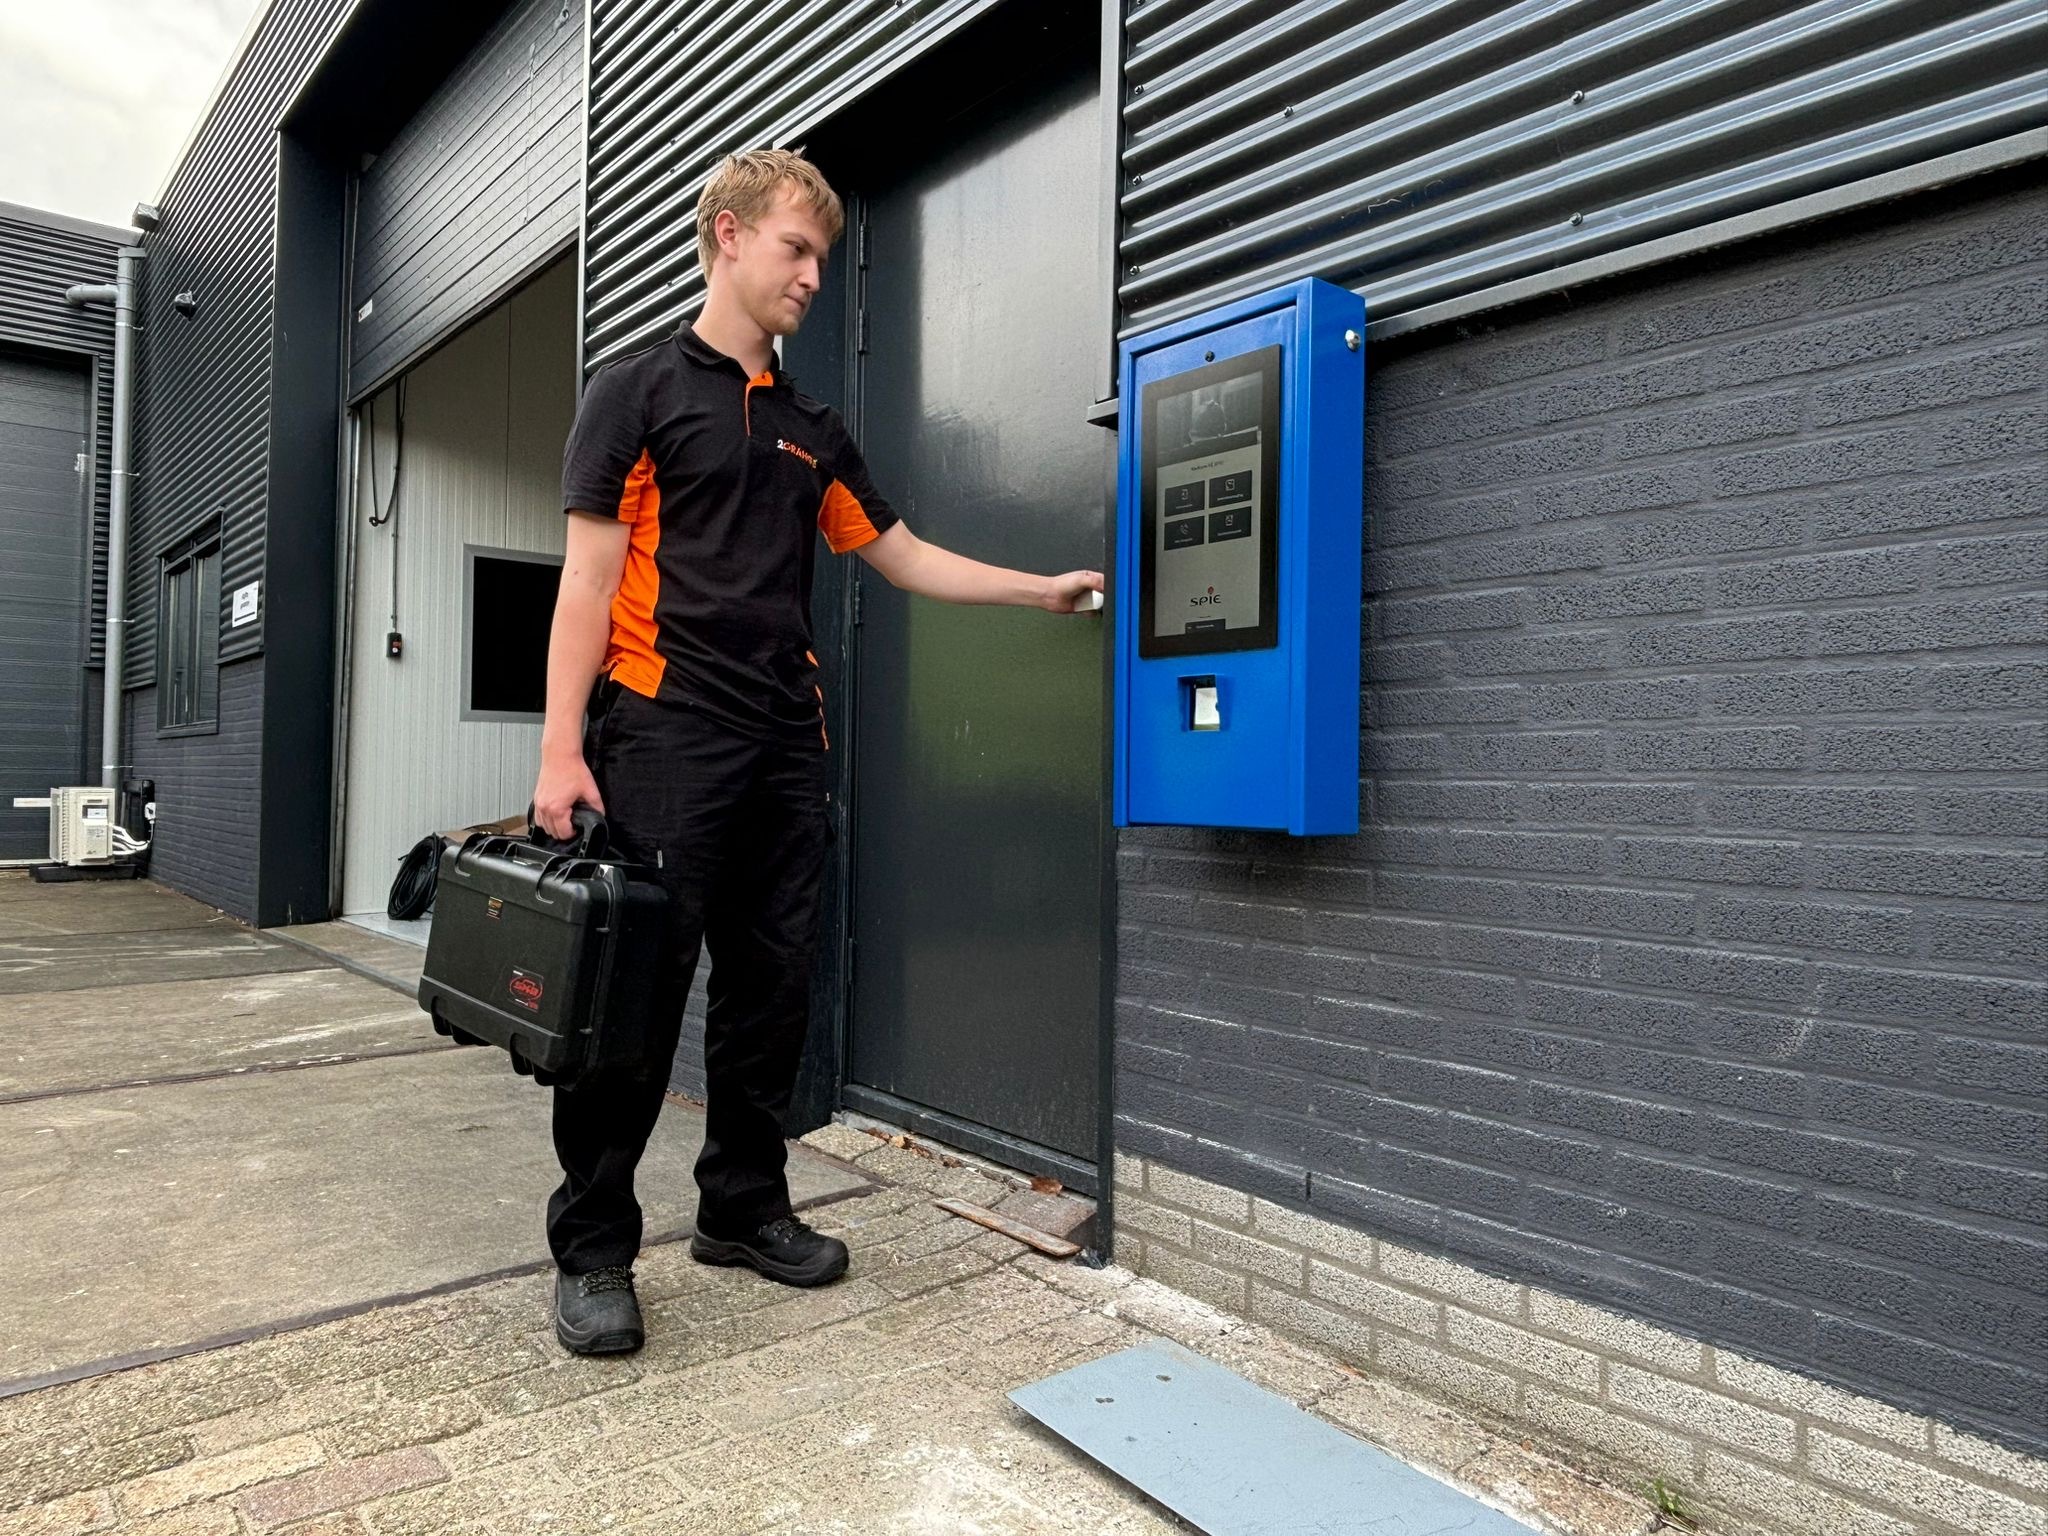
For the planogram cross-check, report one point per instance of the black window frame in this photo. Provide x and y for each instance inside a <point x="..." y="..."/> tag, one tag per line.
<point x="188" y="634"/>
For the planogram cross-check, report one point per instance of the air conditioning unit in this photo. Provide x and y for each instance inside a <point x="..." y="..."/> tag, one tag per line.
<point x="86" y="830"/>
<point x="82" y="825"/>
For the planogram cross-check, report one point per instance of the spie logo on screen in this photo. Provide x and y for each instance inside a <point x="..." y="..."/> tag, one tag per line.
<point x="1207" y="598"/>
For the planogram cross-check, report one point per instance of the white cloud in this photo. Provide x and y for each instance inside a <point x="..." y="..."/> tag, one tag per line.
<point x="96" y="96"/>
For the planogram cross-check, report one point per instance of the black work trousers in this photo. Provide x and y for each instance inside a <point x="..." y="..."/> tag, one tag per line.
<point x="736" y="828"/>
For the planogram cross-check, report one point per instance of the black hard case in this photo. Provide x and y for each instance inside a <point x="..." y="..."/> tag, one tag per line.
<point x="552" y="955"/>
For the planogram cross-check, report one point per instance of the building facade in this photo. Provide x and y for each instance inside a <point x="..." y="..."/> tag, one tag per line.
<point x="1660" y="1071"/>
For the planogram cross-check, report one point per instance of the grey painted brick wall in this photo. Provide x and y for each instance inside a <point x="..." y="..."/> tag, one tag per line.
<point x="204" y="842"/>
<point x="1688" y="961"/>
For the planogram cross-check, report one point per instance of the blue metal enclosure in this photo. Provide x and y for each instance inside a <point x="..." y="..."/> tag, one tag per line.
<point x="1239" y="495"/>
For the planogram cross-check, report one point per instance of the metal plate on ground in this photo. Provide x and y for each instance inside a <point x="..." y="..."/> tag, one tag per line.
<point x="1236" y="1460"/>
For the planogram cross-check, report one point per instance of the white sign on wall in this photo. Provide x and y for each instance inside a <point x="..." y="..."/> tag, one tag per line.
<point x="245" y="605"/>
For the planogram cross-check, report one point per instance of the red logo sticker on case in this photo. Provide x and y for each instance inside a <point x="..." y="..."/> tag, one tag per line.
<point x="526" y="989"/>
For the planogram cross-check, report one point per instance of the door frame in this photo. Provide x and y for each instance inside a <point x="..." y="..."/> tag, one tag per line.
<point x="840" y="590"/>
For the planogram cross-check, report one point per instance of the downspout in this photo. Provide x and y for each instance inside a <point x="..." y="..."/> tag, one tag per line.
<point x="121" y="294"/>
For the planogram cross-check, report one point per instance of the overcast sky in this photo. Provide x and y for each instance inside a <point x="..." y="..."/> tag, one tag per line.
<point x="96" y="96"/>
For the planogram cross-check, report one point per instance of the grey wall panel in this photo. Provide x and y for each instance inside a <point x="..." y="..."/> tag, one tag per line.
<point x="45" y="414"/>
<point x="42" y="254"/>
<point x="1689" y="959"/>
<point x="1428" y="148"/>
<point x="480" y="189"/>
<point x="207" y="792"/>
<point x="202" y="423"/>
<point x="673" y="89"/>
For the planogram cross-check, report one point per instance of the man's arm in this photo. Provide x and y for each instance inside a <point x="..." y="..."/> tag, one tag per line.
<point x="591" y="568"/>
<point x="915" y="566"/>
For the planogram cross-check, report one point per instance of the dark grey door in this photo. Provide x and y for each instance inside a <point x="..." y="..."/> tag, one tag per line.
<point x="978" y="796"/>
<point x="42" y="591"/>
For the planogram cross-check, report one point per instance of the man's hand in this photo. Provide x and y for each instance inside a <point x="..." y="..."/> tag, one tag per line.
<point x="565" y="782"/>
<point x="1062" y="591"/>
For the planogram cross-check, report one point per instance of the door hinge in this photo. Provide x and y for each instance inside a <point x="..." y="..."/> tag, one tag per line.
<point x="861" y="247"/>
<point x="857" y="588"/>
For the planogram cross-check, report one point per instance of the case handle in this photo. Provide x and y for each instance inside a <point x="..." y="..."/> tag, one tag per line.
<point x="589" y="836"/>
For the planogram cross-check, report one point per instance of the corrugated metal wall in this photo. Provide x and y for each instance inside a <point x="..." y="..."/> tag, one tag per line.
<point x="1426" y="148"/>
<point x="40" y="256"/>
<point x="477" y="192"/>
<point x="672" y="89"/>
<point x="485" y="419"/>
<point x="203" y="384"/>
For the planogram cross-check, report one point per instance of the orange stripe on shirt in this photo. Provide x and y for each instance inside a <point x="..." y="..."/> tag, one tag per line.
<point x="844" y="521"/>
<point x="631" y="655"/>
<point x="812" y="658"/>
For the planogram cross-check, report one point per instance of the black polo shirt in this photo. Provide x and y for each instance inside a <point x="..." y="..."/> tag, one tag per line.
<point x="727" y="481"/>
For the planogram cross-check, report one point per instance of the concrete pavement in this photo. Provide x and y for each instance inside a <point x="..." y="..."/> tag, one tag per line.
<point x="876" y="1404"/>
<point x="264" y="1139"/>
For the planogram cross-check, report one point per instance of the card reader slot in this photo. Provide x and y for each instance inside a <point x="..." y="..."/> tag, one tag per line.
<point x="1200" y="704"/>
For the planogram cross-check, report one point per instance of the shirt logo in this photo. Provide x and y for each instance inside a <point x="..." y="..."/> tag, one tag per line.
<point x="803" y="453"/>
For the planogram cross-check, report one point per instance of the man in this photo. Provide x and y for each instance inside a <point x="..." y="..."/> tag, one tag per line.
<point x="696" y="481"/>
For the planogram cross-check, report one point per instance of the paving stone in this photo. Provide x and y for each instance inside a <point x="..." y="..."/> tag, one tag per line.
<point x="517" y="1488"/>
<point x="194" y="1520"/>
<point x="337" y="1487"/>
<point x="393" y="1426"/>
<point x="339" y="1524"/>
<point x="470" y="1368"/>
<point x="842" y="1141"/>
<point x="517" y="1439"/>
<point x="75" y="1515"/>
<point x="215" y="1475"/>
<point x="554" y="1384"/>
<point x="32" y="1471"/>
<point x="304" y="1409"/>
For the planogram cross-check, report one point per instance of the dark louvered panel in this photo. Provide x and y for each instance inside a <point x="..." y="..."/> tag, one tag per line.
<point x="675" y="87"/>
<point x="40" y="256"/>
<point x="1420" y="150"/>
<point x="476" y="193"/>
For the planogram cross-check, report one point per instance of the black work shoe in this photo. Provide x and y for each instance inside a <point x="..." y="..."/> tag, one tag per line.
<point x="784" y="1250"/>
<point x="597" y="1313"/>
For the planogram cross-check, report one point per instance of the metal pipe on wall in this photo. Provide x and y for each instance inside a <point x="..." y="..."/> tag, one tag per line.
<point x="121" y="294"/>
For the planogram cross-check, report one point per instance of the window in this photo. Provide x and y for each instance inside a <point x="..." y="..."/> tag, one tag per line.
<point x="188" y="635"/>
<point x="509" y="609"/>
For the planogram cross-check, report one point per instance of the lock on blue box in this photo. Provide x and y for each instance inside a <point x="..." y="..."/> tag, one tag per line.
<point x="1240" y="522"/>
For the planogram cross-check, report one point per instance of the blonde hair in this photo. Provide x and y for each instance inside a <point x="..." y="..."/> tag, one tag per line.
<point x="747" y="185"/>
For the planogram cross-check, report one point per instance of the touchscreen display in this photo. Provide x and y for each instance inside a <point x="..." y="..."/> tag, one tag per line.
<point x="1210" y="504"/>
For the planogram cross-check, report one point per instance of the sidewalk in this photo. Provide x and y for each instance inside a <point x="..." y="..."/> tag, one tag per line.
<point x="876" y="1404"/>
<point x="873" y="1405"/>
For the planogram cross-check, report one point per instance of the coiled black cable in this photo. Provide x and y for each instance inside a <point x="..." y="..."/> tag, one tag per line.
<point x="413" y="891"/>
